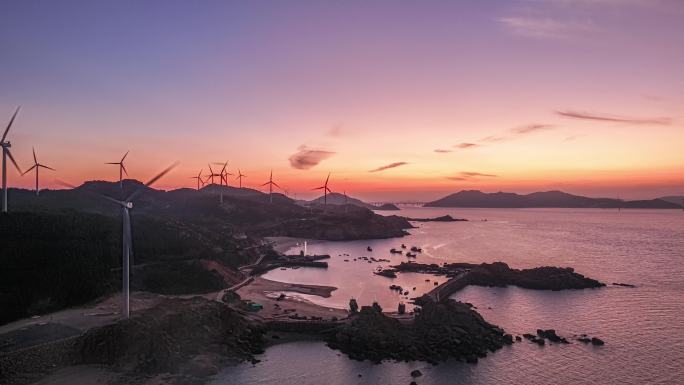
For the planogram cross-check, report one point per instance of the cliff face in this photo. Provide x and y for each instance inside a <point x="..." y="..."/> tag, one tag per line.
<point x="168" y="337"/>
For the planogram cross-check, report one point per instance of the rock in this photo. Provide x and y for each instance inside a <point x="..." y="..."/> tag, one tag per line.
<point x="518" y="338"/>
<point x="413" y="383"/>
<point x="597" y="341"/>
<point x="416" y="373"/>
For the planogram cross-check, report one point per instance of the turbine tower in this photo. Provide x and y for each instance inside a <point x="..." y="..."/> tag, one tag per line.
<point x="240" y="176"/>
<point x="326" y="190"/>
<point x="122" y="168"/>
<point x="36" y="166"/>
<point x="270" y="184"/>
<point x="5" y="154"/>
<point x="126" y="206"/>
<point x="199" y="179"/>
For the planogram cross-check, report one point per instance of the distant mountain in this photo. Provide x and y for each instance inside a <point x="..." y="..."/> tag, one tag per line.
<point x="387" y="207"/>
<point x="340" y="199"/>
<point x="475" y="198"/>
<point x="676" y="199"/>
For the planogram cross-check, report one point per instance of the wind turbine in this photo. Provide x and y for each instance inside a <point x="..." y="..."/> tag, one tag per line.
<point x="122" y="168"/>
<point x="126" y="206"/>
<point x="270" y="184"/>
<point x="240" y="176"/>
<point x="6" y="153"/>
<point x="326" y="190"/>
<point x="36" y="166"/>
<point x="199" y="179"/>
<point x="346" y="201"/>
<point x="212" y="174"/>
<point x="224" y="173"/>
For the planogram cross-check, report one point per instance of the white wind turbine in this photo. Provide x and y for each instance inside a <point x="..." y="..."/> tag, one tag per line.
<point x="126" y="206"/>
<point x="37" y="167"/>
<point x="326" y="190"/>
<point x="5" y="154"/>
<point x="199" y="179"/>
<point x="270" y="184"/>
<point x="122" y="168"/>
<point x="240" y="176"/>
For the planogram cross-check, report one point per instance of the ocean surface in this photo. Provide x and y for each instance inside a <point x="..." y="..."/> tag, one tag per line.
<point x="643" y="327"/>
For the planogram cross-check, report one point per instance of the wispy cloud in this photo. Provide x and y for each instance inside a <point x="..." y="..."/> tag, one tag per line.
<point x="466" y="145"/>
<point x="495" y="139"/>
<point x="470" y="176"/>
<point x="474" y="174"/>
<point x="306" y="158"/>
<point x="442" y="151"/>
<point x="531" y="128"/>
<point x="613" y="118"/>
<point x="386" y="167"/>
<point x="543" y="27"/>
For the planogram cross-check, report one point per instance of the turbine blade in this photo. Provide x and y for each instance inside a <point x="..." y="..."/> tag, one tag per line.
<point x="318" y="188"/>
<point x="276" y="184"/>
<point x="10" y="124"/>
<point x="14" y="162"/>
<point x="124" y="169"/>
<point x="26" y="172"/>
<point x="327" y="179"/>
<point x="112" y="163"/>
<point x="265" y="183"/>
<point x="48" y="167"/>
<point x="151" y="181"/>
<point x="125" y="155"/>
<point x="34" y="155"/>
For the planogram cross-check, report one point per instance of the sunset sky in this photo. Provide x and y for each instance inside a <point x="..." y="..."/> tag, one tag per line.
<point x="400" y="100"/>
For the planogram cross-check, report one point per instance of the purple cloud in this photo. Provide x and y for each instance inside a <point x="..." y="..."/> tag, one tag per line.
<point x="306" y="158"/>
<point x="391" y="165"/>
<point x="614" y="119"/>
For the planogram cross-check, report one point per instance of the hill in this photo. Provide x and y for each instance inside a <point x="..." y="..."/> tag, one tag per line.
<point x="676" y="199"/>
<point x="475" y="198"/>
<point x="340" y="199"/>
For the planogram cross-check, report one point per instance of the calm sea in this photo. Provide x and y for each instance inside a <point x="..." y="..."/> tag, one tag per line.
<point x="643" y="327"/>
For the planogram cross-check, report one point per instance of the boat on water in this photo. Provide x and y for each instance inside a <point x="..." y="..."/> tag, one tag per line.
<point x="416" y="249"/>
<point x="395" y="251"/>
<point x="410" y="255"/>
<point x="369" y="248"/>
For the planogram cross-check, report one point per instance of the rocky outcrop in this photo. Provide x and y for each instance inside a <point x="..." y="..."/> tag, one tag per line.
<point x="538" y="278"/>
<point x="170" y="335"/>
<point x="443" y="218"/>
<point x="443" y="330"/>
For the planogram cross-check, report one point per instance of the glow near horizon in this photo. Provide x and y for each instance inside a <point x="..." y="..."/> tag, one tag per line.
<point x="376" y="83"/>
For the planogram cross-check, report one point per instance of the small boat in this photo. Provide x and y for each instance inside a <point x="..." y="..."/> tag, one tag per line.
<point x="395" y="251"/>
<point x="410" y="255"/>
<point x="369" y="248"/>
<point x="416" y="249"/>
<point x="403" y="246"/>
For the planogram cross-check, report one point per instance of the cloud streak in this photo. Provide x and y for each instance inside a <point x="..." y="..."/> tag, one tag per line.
<point x="470" y="176"/>
<point x="613" y="119"/>
<point x="465" y="145"/>
<point x="531" y="128"/>
<point x="543" y="27"/>
<point x="387" y="167"/>
<point x="442" y="151"/>
<point x="306" y="158"/>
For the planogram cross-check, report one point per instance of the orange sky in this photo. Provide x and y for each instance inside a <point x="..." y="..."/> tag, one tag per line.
<point x="586" y="97"/>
